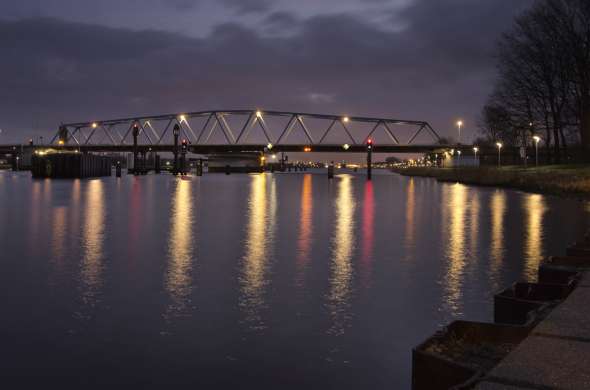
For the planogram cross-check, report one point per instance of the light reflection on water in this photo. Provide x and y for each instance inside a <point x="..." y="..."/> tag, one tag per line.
<point x="498" y="212"/>
<point x="410" y="213"/>
<point x="455" y="201"/>
<point x="534" y="207"/>
<point x="178" y="280"/>
<point x="91" y="270"/>
<point x="262" y="208"/>
<point x="343" y="245"/>
<point x="474" y="208"/>
<point x="305" y="238"/>
<point x="368" y="234"/>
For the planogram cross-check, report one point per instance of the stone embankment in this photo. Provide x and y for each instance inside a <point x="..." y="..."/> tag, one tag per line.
<point x="540" y="338"/>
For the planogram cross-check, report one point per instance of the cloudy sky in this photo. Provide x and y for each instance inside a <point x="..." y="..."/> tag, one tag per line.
<point x="80" y="60"/>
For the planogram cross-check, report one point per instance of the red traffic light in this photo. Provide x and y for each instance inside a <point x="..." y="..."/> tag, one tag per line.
<point x="369" y="141"/>
<point x="184" y="142"/>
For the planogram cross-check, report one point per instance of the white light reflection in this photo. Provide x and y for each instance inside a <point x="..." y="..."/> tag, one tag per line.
<point x="455" y="205"/>
<point x="410" y="215"/>
<point x="262" y="206"/>
<point x="534" y="206"/>
<point x="497" y="248"/>
<point x="343" y="244"/>
<point x="178" y="280"/>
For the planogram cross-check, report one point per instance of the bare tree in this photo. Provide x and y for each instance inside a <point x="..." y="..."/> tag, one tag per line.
<point x="544" y="75"/>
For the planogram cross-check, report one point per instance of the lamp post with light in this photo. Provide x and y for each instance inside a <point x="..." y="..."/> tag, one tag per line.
<point x="499" y="145"/>
<point x="459" y="125"/>
<point x="537" y="139"/>
<point x="475" y="150"/>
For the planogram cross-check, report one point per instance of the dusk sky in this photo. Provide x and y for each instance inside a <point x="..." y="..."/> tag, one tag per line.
<point x="72" y="60"/>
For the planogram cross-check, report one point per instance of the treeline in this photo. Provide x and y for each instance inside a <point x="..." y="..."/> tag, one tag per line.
<point x="543" y="88"/>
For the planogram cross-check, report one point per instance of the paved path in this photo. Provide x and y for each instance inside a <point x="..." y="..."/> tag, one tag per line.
<point x="557" y="353"/>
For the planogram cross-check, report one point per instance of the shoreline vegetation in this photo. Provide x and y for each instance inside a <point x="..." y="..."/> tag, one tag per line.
<point x="561" y="180"/>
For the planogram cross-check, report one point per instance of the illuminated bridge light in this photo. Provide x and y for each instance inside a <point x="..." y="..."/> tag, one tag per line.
<point x="94" y="125"/>
<point x="269" y="146"/>
<point x="346" y="146"/>
<point x="346" y="119"/>
<point x="259" y="114"/>
<point x="307" y="149"/>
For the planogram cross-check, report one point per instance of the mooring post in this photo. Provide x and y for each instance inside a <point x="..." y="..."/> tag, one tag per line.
<point x="176" y="132"/>
<point x="369" y="159"/>
<point x="331" y="170"/>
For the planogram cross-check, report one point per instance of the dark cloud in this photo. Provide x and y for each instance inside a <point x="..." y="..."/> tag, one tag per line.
<point x="249" y="6"/>
<point x="182" y="5"/>
<point x="437" y="68"/>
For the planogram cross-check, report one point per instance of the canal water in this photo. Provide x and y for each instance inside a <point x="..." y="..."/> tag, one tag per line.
<point x="254" y="281"/>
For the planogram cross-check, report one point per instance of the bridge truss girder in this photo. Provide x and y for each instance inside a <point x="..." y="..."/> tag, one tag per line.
<point x="86" y="133"/>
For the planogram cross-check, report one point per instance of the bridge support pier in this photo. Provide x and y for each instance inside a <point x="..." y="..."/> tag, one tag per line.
<point x="200" y="167"/>
<point x="143" y="163"/>
<point x="157" y="164"/>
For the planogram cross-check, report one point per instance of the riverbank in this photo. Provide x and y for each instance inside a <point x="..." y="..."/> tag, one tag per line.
<point x="562" y="180"/>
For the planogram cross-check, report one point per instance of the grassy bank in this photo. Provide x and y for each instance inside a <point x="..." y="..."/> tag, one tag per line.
<point x="563" y="180"/>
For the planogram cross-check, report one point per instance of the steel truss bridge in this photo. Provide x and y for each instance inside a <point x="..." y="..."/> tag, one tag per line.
<point x="229" y="131"/>
<point x="226" y="131"/>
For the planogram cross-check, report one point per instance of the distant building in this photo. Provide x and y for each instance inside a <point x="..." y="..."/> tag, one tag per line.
<point x="236" y="163"/>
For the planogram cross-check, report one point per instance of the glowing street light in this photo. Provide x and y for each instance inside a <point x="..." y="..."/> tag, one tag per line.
<point x="274" y="156"/>
<point x="475" y="150"/>
<point x="499" y="145"/>
<point x="537" y="139"/>
<point x="259" y="114"/>
<point x="459" y="125"/>
<point x="346" y="146"/>
<point x="459" y="153"/>
<point x="346" y="119"/>
<point x="269" y="146"/>
<point x="182" y="118"/>
<point x="94" y="125"/>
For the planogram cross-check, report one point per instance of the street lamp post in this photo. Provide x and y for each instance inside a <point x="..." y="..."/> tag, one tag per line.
<point x="537" y="139"/>
<point x="475" y="150"/>
<point x="459" y="153"/>
<point x="459" y="125"/>
<point x="499" y="145"/>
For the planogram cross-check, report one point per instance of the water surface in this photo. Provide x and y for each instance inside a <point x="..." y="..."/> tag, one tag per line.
<point x="254" y="281"/>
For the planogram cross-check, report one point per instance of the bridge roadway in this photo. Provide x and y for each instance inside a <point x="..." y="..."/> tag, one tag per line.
<point x="260" y="148"/>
